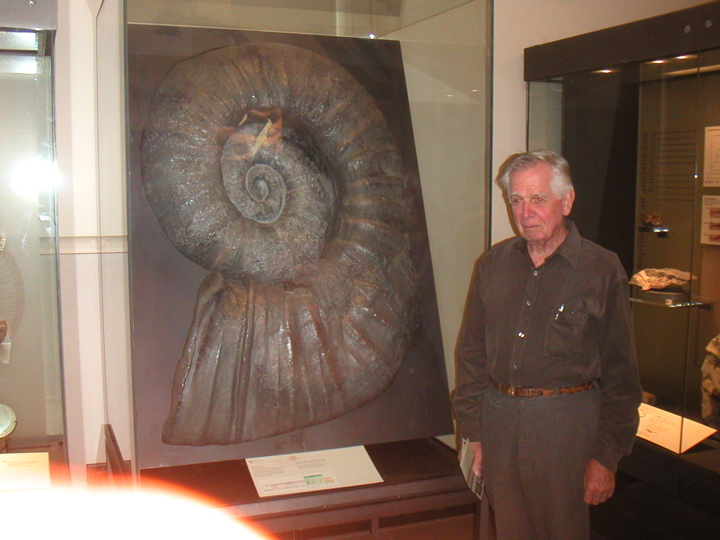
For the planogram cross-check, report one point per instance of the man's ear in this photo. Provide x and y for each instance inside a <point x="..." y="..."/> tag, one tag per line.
<point x="567" y="201"/>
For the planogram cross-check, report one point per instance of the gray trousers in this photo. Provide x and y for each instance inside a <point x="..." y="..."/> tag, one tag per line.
<point x="534" y="455"/>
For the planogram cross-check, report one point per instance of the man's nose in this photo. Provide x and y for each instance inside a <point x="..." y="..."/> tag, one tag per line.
<point x="526" y="209"/>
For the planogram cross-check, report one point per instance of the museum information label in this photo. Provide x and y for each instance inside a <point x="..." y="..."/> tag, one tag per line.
<point x="312" y="471"/>
<point x="25" y="470"/>
<point x="711" y="177"/>
<point x="669" y="430"/>
<point x="710" y="231"/>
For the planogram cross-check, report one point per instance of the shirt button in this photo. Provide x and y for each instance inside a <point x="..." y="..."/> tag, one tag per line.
<point x="515" y="367"/>
<point x="521" y="334"/>
<point x="528" y="302"/>
<point x="535" y="273"/>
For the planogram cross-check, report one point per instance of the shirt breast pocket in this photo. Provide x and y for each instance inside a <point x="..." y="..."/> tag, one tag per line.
<point x="565" y="334"/>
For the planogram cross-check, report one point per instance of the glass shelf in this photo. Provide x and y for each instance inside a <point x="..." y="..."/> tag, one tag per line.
<point x="670" y="303"/>
<point x="660" y="231"/>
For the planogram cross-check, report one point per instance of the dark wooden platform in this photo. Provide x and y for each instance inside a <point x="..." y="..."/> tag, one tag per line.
<point x="422" y="482"/>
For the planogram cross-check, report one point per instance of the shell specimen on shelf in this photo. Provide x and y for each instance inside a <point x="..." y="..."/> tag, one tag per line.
<point x="12" y="294"/>
<point x="272" y="167"/>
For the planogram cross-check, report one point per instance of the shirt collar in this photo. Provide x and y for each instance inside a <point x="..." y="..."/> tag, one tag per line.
<point x="570" y="248"/>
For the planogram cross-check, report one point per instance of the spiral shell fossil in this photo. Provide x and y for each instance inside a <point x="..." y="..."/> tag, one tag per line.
<point x="271" y="167"/>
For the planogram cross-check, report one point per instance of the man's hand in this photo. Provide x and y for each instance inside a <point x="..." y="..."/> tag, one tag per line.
<point x="477" y="458"/>
<point x="599" y="483"/>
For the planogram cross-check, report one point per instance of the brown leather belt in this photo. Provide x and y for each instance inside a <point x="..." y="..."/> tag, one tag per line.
<point x="529" y="391"/>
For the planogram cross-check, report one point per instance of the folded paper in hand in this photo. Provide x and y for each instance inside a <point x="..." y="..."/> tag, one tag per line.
<point x="476" y="485"/>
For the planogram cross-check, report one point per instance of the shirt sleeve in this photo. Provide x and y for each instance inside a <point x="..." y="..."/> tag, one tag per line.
<point x="471" y="363"/>
<point x="619" y="379"/>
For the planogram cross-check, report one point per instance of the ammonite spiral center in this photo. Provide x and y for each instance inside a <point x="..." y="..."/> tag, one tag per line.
<point x="266" y="188"/>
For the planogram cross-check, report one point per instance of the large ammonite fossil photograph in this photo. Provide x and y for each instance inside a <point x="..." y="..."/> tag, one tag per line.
<point x="271" y="167"/>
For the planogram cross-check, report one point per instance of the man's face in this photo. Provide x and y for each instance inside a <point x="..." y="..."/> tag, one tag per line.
<point x="538" y="213"/>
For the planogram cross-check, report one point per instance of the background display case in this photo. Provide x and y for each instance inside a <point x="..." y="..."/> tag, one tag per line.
<point x="32" y="418"/>
<point x="635" y="111"/>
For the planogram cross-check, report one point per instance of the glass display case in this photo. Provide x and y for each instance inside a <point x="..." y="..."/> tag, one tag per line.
<point x="445" y="99"/>
<point x="448" y="104"/>
<point x="637" y="119"/>
<point x="32" y="422"/>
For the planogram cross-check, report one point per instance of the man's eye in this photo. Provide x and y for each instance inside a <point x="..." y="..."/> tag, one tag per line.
<point x="539" y="199"/>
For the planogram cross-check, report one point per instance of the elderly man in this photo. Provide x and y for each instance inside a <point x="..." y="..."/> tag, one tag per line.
<point x="548" y="386"/>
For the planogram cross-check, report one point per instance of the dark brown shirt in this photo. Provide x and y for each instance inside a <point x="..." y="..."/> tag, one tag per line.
<point x="564" y="323"/>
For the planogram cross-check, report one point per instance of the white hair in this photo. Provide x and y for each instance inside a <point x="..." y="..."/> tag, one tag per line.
<point x="560" y="182"/>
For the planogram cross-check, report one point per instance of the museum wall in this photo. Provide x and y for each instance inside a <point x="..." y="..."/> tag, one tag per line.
<point x="93" y="259"/>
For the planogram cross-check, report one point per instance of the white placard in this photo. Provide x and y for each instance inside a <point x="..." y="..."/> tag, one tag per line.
<point x="312" y="471"/>
<point x="29" y="470"/>
<point x="669" y="430"/>
<point x="712" y="157"/>
<point x="710" y="228"/>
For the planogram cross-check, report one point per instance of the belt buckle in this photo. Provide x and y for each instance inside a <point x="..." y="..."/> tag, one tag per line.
<point x="513" y="390"/>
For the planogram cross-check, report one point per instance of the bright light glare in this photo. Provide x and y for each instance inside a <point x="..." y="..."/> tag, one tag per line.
<point x="116" y="514"/>
<point x="34" y="175"/>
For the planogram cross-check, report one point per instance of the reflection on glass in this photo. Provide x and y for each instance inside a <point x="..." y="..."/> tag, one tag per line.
<point x="30" y="367"/>
<point x="358" y="18"/>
